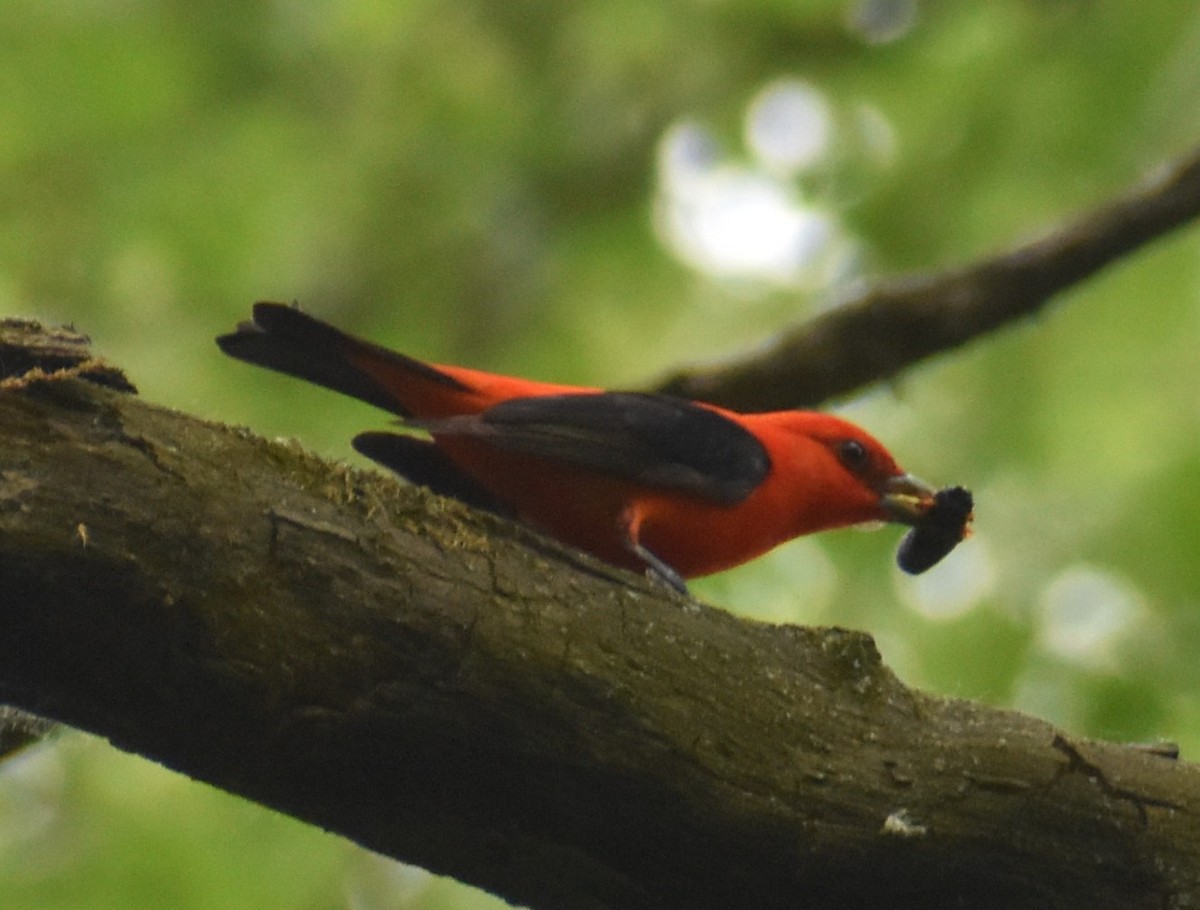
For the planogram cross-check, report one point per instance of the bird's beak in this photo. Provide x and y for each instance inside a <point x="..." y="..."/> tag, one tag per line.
<point x="906" y="499"/>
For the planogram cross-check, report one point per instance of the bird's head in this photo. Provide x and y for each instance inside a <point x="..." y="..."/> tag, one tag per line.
<point x="850" y="478"/>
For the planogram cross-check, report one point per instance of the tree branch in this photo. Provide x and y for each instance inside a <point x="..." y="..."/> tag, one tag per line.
<point x="895" y="324"/>
<point x="455" y="691"/>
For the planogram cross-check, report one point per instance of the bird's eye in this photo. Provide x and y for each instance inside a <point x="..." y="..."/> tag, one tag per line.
<point x="853" y="454"/>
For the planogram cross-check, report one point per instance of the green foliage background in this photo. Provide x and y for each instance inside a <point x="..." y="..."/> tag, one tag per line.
<point x="473" y="182"/>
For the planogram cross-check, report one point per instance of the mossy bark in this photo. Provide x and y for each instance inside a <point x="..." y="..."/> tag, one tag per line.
<point x="457" y="692"/>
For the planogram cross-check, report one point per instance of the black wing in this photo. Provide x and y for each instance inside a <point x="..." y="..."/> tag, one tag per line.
<point x="649" y="439"/>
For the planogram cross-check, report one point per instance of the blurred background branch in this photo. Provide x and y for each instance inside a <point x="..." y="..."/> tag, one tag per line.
<point x="895" y="324"/>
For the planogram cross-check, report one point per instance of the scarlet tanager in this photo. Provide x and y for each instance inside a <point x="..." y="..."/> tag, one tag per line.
<point x="643" y="481"/>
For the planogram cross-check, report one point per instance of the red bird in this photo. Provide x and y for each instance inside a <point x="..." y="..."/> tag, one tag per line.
<point x="643" y="481"/>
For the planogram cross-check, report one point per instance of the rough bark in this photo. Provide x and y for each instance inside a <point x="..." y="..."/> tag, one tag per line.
<point x="454" y="691"/>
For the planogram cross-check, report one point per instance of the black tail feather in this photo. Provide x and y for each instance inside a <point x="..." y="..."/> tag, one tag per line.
<point x="285" y="339"/>
<point x="421" y="462"/>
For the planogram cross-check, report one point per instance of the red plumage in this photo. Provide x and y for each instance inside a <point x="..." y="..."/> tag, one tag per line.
<point x="639" y="480"/>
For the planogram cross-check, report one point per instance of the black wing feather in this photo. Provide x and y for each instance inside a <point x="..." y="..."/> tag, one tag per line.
<point x="655" y="440"/>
